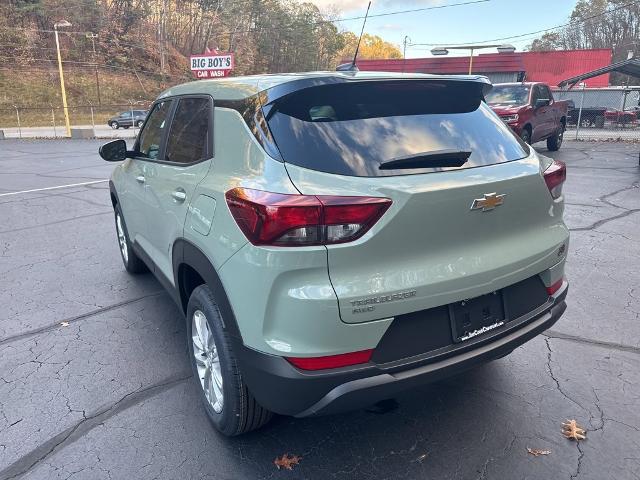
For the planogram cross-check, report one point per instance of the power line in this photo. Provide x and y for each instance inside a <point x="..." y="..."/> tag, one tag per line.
<point x="284" y="27"/>
<point x="77" y="63"/>
<point x="607" y="12"/>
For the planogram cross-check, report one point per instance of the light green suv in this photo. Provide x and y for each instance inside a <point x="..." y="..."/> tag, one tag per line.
<point x="334" y="238"/>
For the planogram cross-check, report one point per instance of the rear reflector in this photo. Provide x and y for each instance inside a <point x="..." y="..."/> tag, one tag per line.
<point x="331" y="361"/>
<point x="555" y="287"/>
<point x="301" y="220"/>
<point x="554" y="177"/>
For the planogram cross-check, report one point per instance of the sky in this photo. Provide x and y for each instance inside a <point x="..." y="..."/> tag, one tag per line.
<point x="474" y="23"/>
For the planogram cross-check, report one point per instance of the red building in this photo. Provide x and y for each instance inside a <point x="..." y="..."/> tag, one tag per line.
<point x="550" y="67"/>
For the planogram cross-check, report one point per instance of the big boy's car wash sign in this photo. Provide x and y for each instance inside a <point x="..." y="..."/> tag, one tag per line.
<point x="212" y="65"/>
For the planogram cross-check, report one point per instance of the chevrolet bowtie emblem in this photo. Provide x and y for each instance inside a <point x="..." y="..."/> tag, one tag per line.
<point x="489" y="202"/>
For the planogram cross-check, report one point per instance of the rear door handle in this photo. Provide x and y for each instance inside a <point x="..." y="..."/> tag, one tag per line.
<point x="179" y="195"/>
<point x="140" y="179"/>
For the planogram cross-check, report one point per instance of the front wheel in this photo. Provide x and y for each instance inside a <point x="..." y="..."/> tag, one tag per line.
<point x="139" y="123"/>
<point x="554" y="143"/>
<point x="115" y="125"/>
<point x="226" y="398"/>
<point x="526" y="136"/>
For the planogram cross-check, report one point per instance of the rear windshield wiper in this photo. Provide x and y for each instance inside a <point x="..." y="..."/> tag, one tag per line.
<point x="435" y="159"/>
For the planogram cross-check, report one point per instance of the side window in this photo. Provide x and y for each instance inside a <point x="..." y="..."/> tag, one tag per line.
<point x="535" y="94"/>
<point x="547" y="93"/>
<point x="151" y="135"/>
<point x="190" y="131"/>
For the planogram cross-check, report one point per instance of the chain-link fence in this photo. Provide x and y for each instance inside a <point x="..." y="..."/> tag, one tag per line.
<point x="119" y="120"/>
<point x="611" y="113"/>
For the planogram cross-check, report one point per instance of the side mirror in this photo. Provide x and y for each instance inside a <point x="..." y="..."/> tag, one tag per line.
<point x="542" y="102"/>
<point x="114" y="151"/>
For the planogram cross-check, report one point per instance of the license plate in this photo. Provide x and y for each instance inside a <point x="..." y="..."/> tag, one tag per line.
<point x="476" y="316"/>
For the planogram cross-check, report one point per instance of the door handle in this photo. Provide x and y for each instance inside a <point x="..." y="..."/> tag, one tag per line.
<point x="140" y="179"/>
<point x="179" y="195"/>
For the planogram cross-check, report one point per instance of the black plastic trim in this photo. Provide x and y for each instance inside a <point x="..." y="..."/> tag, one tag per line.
<point x="186" y="253"/>
<point x="280" y="387"/>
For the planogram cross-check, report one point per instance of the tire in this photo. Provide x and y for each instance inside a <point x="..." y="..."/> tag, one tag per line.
<point x="554" y="143"/>
<point x="139" y="123"/>
<point x="114" y="125"/>
<point x="526" y="136"/>
<point x="132" y="263"/>
<point x="586" y="123"/>
<point x="228" y="403"/>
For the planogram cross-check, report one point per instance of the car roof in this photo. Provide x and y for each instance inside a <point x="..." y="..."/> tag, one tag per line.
<point x="238" y="88"/>
<point x="513" y="84"/>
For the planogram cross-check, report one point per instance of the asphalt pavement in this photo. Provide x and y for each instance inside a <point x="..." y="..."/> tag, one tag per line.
<point x="95" y="382"/>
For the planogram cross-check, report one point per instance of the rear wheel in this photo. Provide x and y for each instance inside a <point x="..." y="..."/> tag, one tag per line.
<point x="554" y="143"/>
<point x="131" y="261"/>
<point x="139" y="123"/>
<point x="227" y="400"/>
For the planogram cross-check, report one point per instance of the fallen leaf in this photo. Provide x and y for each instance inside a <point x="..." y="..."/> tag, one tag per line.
<point x="64" y="324"/>
<point x="573" y="431"/>
<point x="287" y="461"/>
<point x="536" y="452"/>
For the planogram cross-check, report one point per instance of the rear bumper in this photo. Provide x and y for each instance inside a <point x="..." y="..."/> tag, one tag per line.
<point x="284" y="389"/>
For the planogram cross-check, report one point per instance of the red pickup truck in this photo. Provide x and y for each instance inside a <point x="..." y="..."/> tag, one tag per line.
<point x="531" y="111"/>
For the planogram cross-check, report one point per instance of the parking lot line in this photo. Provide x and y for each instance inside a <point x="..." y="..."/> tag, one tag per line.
<point x="52" y="188"/>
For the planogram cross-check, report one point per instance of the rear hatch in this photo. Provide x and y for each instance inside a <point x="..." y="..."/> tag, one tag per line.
<point x="471" y="212"/>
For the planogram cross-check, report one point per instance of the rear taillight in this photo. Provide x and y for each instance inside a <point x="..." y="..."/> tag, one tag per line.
<point x="554" y="176"/>
<point x="300" y="220"/>
<point x="331" y="361"/>
<point x="554" y="287"/>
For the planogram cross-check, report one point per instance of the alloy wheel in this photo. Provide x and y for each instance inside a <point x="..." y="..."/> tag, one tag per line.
<point x="205" y="354"/>
<point x="122" y="239"/>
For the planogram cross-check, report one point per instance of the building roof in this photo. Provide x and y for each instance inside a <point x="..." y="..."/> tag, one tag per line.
<point x="553" y="67"/>
<point x="549" y="67"/>
<point x="628" y="67"/>
<point x="485" y="63"/>
<point x="238" y="88"/>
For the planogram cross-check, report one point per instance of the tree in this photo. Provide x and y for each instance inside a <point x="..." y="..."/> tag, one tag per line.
<point x="372" y="46"/>
<point x="610" y="24"/>
<point x="548" y="41"/>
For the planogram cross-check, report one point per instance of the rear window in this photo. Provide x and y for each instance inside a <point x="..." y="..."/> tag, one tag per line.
<point x="508" y="95"/>
<point x="351" y="129"/>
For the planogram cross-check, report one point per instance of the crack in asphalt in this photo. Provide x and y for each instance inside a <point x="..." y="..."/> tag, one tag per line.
<point x="589" y="341"/>
<point x="557" y="382"/>
<point x="25" y="463"/>
<point x="580" y="455"/>
<point x="80" y="217"/>
<point x="601" y="222"/>
<point x="83" y="316"/>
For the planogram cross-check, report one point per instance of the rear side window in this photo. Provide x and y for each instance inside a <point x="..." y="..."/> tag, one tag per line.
<point x="189" y="135"/>
<point x="351" y="129"/>
<point x="151" y="135"/>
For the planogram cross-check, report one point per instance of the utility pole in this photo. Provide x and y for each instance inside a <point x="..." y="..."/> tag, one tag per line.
<point x="62" y="23"/>
<point x="161" y="35"/>
<point x="406" y="40"/>
<point x="93" y="36"/>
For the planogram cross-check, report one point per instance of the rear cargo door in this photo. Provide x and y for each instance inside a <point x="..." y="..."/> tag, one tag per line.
<point x="462" y="224"/>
